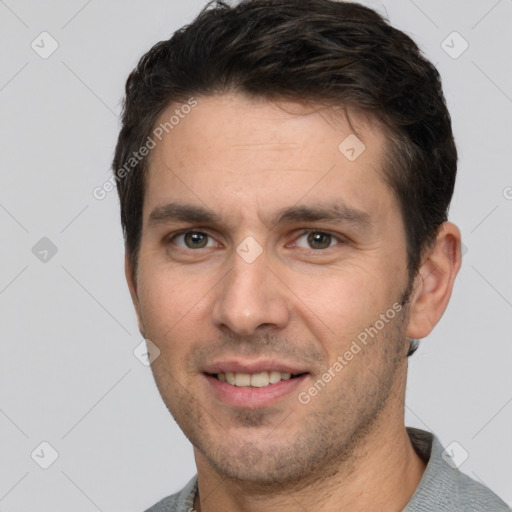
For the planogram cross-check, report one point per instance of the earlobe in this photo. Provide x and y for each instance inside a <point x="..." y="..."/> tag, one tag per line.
<point x="434" y="282"/>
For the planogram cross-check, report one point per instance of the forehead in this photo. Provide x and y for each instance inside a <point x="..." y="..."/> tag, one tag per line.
<point x="264" y="154"/>
<point x="234" y="122"/>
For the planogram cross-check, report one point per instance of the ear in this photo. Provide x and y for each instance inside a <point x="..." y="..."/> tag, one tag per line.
<point x="434" y="282"/>
<point x="131" y="279"/>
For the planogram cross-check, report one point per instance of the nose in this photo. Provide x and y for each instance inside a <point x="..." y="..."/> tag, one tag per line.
<point x="251" y="296"/>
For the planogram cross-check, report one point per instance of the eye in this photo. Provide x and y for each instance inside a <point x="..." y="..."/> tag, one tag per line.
<point x="192" y="240"/>
<point x="317" y="240"/>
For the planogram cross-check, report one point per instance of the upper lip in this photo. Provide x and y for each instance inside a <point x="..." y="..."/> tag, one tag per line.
<point x="258" y="366"/>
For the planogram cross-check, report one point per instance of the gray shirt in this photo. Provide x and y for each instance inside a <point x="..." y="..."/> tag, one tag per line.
<point x="443" y="488"/>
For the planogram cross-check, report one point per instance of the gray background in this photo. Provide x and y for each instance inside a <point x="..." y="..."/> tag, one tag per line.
<point x="68" y="374"/>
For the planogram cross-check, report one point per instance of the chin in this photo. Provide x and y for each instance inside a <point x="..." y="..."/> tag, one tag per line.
<point x="264" y="466"/>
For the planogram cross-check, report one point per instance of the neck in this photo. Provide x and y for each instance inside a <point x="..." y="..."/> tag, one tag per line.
<point x="383" y="476"/>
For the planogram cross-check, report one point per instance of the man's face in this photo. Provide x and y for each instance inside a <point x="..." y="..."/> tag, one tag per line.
<point x="269" y="283"/>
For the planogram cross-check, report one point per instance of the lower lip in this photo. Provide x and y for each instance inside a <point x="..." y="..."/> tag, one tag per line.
<point x="253" y="398"/>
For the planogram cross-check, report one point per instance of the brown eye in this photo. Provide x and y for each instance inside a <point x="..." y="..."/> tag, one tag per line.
<point x="317" y="240"/>
<point x="195" y="240"/>
<point x="192" y="240"/>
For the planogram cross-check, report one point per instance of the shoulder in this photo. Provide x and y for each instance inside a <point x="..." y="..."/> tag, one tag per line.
<point x="443" y="486"/>
<point x="168" y="504"/>
<point x="476" y="497"/>
<point x="182" y="501"/>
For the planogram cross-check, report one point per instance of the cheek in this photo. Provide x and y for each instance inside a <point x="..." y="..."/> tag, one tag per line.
<point x="343" y="303"/>
<point x="170" y="301"/>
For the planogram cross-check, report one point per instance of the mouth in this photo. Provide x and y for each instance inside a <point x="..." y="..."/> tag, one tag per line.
<point x="255" y="380"/>
<point x="252" y="385"/>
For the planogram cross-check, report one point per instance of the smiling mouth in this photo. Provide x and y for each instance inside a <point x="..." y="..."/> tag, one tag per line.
<point x="254" y="380"/>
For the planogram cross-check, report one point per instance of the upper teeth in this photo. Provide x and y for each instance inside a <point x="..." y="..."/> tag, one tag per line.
<point x="256" y="380"/>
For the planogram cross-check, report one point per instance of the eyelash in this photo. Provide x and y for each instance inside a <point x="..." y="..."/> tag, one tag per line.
<point x="339" y="238"/>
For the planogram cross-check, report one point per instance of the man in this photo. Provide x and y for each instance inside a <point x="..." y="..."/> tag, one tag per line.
<point x="285" y="169"/>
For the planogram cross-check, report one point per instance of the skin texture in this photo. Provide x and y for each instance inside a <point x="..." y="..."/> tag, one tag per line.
<point x="302" y="300"/>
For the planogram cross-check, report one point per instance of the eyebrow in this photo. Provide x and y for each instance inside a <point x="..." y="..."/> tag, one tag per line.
<point x="335" y="212"/>
<point x="184" y="213"/>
